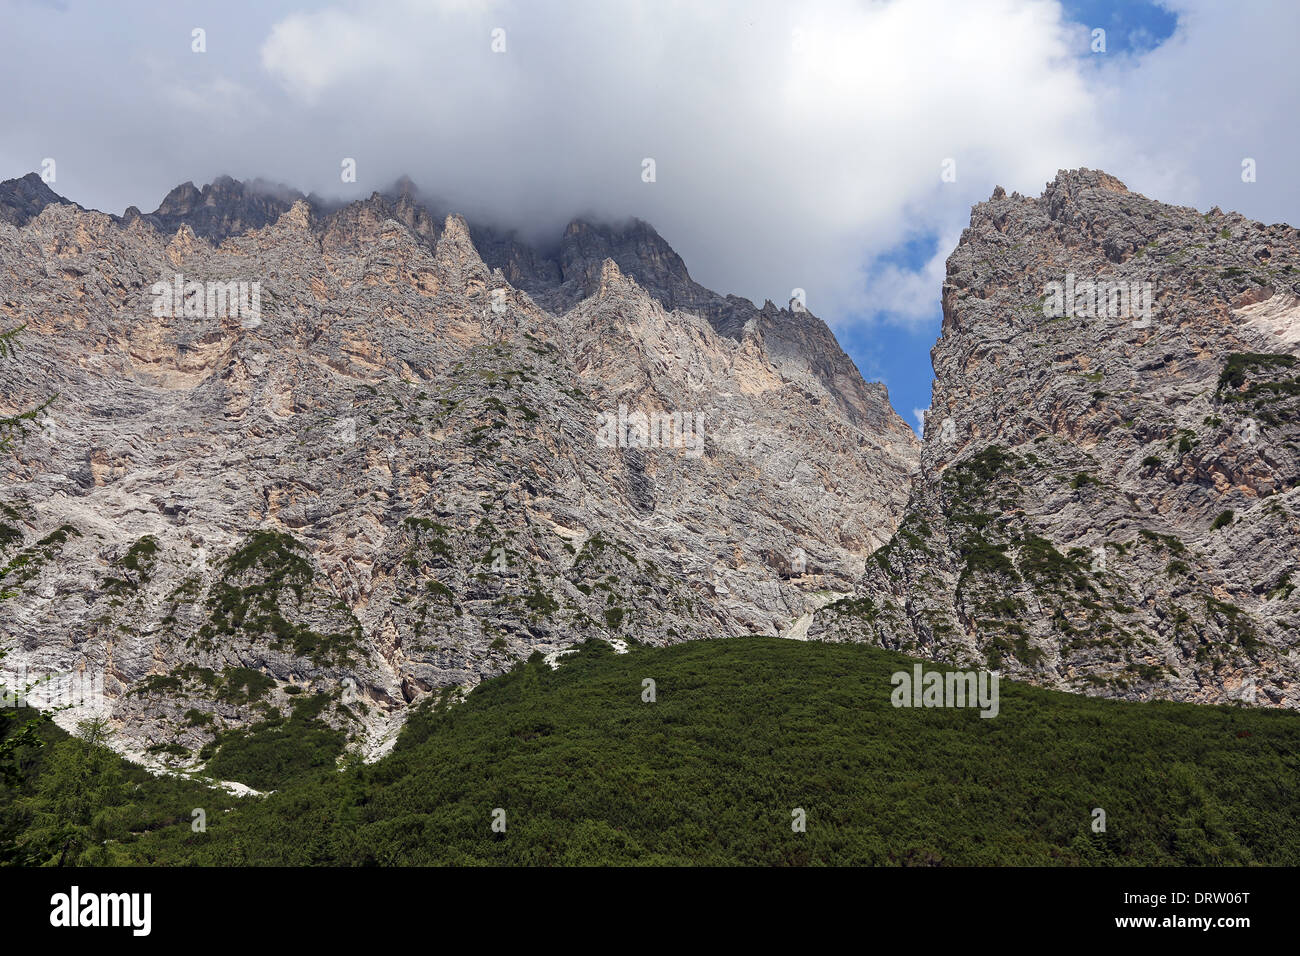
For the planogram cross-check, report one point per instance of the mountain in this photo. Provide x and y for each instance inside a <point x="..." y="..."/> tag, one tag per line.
<point x="398" y="470"/>
<point x="421" y="456"/>
<point x="1107" y="497"/>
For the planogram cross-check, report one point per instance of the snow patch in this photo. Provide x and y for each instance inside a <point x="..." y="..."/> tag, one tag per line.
<point x="1278" y="317"/>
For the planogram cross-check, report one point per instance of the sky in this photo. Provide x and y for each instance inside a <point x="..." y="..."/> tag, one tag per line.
<point x="794" y="146"/>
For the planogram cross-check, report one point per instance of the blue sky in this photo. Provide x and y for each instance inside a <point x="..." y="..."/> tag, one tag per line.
<point x="898" y="352"/>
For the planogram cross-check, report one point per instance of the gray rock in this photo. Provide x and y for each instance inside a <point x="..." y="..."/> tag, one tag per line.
<point x="1069" y="523"/>
<point x="392" y="481"/>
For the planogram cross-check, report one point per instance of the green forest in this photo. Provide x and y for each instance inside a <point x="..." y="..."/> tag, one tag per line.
<point x="752" y="751"/>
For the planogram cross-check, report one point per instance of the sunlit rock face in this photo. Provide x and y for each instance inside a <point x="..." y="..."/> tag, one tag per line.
<point x="375" y="453"/>
<point x="1107" y="495"/>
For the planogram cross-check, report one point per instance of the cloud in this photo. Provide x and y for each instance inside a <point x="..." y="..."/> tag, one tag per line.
<point x="905" y="294"/>
<point x="794" y="145"/>
<point x="791" y="145"/>
<point x="312" y="53"/>
<point x="216" y="97"/>
<point x="1180" y="119"/>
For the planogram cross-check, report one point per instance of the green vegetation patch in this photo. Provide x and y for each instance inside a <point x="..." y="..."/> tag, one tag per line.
<point x="1040" y="562"/>
<point x="27" y="563"/>
<point x="79" y="804"/>
<point x="974" y="474"/>
<point x="743" y="731"/>
<point x="139" y="558"/>
<point x="862" y="607"/>
<point x="278" y="751"/>
<point x="1241" y="366"/>
<point x="281" y="565"/>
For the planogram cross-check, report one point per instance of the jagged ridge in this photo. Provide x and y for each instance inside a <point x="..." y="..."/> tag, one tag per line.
<point x="390" y="484"/>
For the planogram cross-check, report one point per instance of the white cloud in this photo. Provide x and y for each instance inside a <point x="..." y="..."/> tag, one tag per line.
<point x="910" y="295"/>
<point x="791" y="145"/>
<point x="219" y="97"/>
<point x="794" y="143"/>
<point x="1226" y="86"/>
<point x="310" y="53"/>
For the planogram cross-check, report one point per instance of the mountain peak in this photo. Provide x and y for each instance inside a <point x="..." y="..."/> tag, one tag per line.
<point x="180" y="200"/>
<point x="456" y="228"/>
<point x="404" y="188"/>
<point x="298" y="216"/>
<point x="222" y="208"/>
<point x="22" y="199"/>
<point x="1115" y="387"/>
<point x="1083" y="178"/>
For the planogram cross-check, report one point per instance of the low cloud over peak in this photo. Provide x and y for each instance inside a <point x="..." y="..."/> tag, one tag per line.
<point x="775" y="147"/>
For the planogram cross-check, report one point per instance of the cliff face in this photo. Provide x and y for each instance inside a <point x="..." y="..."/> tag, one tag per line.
<point x="424" y="450"/>
<point x="1107" y="495"/>
<point x="400" y="467"/>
